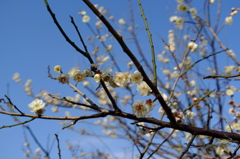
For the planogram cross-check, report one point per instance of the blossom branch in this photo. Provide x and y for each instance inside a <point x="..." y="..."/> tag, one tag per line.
<point x="234" y="137"/>
<point x="135" y="61"/>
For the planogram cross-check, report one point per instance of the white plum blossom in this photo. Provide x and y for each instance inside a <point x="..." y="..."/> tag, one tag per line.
<point x="79" y="76"/>
<point x="150" y="104"/>
<point x="16" y="77"/>
<point x="63" y="78"/>
<point x="182" y="7"/>
<point x="88" y="73"/>
<point x="144" y="89"/>
<point x="57" y="69"/>
<point x="189" y="114"/>
<point x="121" y="21"/>
<point x="85" y="19"/>
<point x="211" y="1"/>
<point x="137" y="77"/>
<point x="37" y="106"/>
<point x="229" y="20"/>
<point x="192" y="46"/>
<point x="229" y="92"/>
<point x="121" y="78"/>
<point x="97" y="77"/>
<point x="82" y="12"/>
<point x="139" y="108"/>
<point x="193" y="11"/>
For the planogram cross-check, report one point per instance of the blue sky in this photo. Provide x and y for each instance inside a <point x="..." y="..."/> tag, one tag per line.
<point x="30" y="41"/>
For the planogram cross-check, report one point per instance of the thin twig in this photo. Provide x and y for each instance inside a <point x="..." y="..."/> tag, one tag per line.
<point x="58" y="145"/>
<point x="65" y="35"/>
<point x="150" y="42"/>
<point x="20" y="123"/>
<point x="188" y="146"/>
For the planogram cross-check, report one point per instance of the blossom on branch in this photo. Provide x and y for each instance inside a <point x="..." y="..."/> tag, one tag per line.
<point x="140" y="109"/>
<point x="63" y="78"/>
<point x="137" y="77"/>
<point x="37" y="106"/>
<point x="144" y="89"/>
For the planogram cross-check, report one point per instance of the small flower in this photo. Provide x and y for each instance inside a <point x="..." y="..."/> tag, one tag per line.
<point x="63" y="78"/>
<point x="79" y="76"/>
<point x="136" y="77"/>
<point x="58" y="69"/>
<point x="72" y="71"/>
<point x="211" y="1"/>
<point x="150" y="104"/>
<point x="85" y="19"/>
<point x="121" y="78"/>
<point x="182" y="7"/>
<point x="37" y="106"/>
<point x="229" y="20"/>
<point x="88" y="73"/>
<point x="231" y="111"/>
<point x="192" y="46"/>
<point x="121" y="21"/>
<point x="229" y="92"/>
<point x="82" y="12"/>
<point x="97" y="77"/>
<point x="173" y="18"/>
<point x="179" y="1"/>
<point x="144" y="89"/>
<point x="193" y="11"/>
<point x="106" y="74"/>
<point x="16" y="77"/>
<point x="189" y="114"/>
<point x="109" y="48"/>
<point x="139" y="108"/>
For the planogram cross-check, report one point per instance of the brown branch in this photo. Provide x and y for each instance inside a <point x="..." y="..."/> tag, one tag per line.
<point x="135" y="61"/>
<point x="234" y="137"/>
<point x="188" y="146"/>
<point x="221" y="76"/>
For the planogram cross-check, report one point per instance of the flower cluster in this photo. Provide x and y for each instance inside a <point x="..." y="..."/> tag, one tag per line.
<point x="220" y="147"/>
<point x="229" y="19"/>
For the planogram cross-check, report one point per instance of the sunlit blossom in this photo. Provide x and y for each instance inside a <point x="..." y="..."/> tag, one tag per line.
<point x="37" y="106"/>
<point x="193" y="11"/>
<point x="182" y="7"/>
<point x="97" y="77"/>
<point x="121" y="78"/>
<point x="82" y="12"/>
<point x="229" y="20"/>
<point x="139" y="108"/>
<point x="79" y="76"/>
<point x="121" y="21"/>
<point x="144" y="89"/>
<point x="192" y="46"/>
<point x="85" y="19"/>
<point x="63" y="78"/>
<point x="57" y="69"/>
<point x="136" y="77"/>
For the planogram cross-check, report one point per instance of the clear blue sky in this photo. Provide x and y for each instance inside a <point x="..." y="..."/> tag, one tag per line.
<point x="30" y="41"/>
